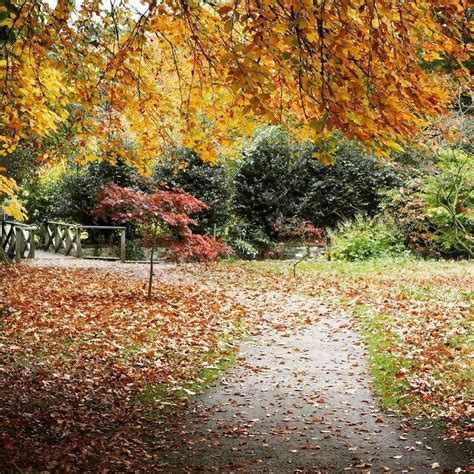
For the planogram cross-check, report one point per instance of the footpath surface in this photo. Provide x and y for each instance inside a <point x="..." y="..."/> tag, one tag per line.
<point x="299" y="398"/>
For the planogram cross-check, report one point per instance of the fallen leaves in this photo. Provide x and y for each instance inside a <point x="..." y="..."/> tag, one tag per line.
<point x="79" y="348"/>
<point x="421" y="314"/>
<point x="81" y="358"/>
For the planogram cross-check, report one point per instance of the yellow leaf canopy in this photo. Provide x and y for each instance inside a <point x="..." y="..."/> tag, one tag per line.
<point x="204" y="73"/>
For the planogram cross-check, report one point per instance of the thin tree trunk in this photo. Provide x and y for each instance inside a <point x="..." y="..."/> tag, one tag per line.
<point x="304" y="257"/>
<point x="150" y="280"/>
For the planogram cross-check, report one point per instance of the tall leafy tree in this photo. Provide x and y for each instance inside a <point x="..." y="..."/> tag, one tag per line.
<point x="198" y="71"/>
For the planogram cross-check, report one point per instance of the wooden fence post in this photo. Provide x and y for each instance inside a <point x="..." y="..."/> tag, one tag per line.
<point x="18" y="238"/>
<point x="122" y="245"/>
<point x="57" y="238"/>
<point x="31" y="252"/>
<point x="78" y="243"/>
<point x="48" y="236"/>
<point x="3" y="231"/>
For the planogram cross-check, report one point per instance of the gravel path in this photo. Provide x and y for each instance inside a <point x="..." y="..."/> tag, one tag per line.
<point x="297" y="401"/>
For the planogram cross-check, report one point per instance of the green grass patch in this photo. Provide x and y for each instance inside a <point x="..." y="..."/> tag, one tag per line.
<point x="168" y="396"/>
<point x="416" y="268"/>
<point x="206" y="377"/>
<point x="328" y="268"/>
<point x="385" y="368"/>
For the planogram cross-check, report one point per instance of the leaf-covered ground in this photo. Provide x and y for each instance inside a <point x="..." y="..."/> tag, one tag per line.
<point x="89" y="367"/>
<point x="80" y="349"/>
<point x="418" y="318"/>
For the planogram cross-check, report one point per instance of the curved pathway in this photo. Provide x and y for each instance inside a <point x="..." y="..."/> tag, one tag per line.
<point x="298" y="400"/>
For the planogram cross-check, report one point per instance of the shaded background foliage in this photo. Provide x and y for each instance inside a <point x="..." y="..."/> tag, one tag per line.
<point x="275" y="180"/>
<point x="278" y="178"/>
<point x="185" y="169"/>
<point x="71" y="193"/>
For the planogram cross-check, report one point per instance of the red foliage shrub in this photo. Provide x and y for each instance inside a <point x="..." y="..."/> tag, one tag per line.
<point x="169" y="209"/>
<point x="299" y="230"/>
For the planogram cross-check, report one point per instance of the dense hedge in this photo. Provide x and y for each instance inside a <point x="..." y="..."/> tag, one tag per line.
<point x="278" y="178"/>
<point x="263" y="184"/>
<point x="185" y="169"/>
<point x="427" y="195"/>
<point x="327" y="194"/>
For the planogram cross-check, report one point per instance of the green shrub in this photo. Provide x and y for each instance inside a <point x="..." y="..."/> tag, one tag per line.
<point x="246" y="240"/>
<point x="326" y="195"/>
<point x="263" y="185"/>
<point x="40" y="194"/>
<point x="364" y="238"/>
<point x="244" y="249"/>
<point x="406" y="209"/>
<point x="449" y="203"/>
<point x="133" y="250"/>
<point x="279" y="178"/>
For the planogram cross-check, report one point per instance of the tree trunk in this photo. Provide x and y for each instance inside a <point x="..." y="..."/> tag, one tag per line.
<point x="150" y="280"/>
<point x="304" y="257"/>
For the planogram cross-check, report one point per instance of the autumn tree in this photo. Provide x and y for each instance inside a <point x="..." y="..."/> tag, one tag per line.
<point x="164" y="217"/>
<point x="202" y="73"/>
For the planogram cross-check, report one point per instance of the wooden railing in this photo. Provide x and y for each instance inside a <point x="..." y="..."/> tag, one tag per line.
<point x="66" y="238"/>
<point x="62" y="238"/>
<point x="17" y="240"/>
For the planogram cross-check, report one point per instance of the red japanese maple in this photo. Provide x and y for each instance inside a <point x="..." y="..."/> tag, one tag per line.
<point x="165" y="216"/>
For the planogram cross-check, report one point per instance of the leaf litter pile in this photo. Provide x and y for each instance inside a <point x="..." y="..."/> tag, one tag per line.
<point x="80" y="348"/>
